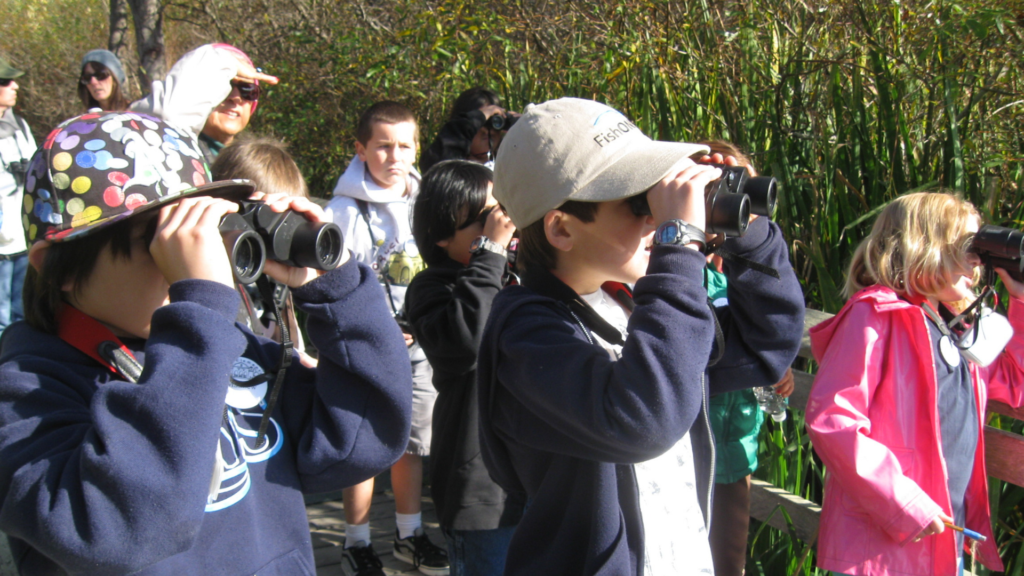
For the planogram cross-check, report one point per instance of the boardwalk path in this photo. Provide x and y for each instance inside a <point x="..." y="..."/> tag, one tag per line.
<point x="327" y="526"/>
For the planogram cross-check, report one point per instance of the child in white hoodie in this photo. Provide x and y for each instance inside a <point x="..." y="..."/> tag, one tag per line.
<point x="373" y="206"/>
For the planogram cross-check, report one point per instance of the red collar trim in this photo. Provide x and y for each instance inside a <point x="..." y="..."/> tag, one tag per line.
<point x="86" y="334"/>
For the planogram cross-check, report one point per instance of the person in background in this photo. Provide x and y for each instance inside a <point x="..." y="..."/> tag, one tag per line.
<point x="736" y="421"/>
<point x="232" y="115"/>
<point x="16" y="148"/>
<point x="268" y="165"/>
<point x="102" y="82"/>
<point x="211" y="92"/>
<point x="466" y="136"/>
<point x="463" y="236"/>
<point x="373" y="203"/>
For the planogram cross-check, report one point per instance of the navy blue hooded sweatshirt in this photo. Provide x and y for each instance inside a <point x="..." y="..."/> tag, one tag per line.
<point x="101" y="476"/>
<point x="563" y="422"/>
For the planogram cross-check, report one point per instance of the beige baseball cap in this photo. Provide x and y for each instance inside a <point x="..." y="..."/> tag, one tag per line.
<point x="574" y="149"/>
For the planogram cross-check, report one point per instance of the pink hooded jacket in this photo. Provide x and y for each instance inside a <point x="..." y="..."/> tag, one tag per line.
<point x="873" y="419"/>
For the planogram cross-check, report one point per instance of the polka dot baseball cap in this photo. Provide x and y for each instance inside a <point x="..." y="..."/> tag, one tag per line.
<point x="100" y="168"/>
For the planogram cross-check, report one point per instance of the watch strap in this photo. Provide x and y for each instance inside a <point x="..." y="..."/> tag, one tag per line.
<point x="685" y="233"/>
<point x="484" y="243"/>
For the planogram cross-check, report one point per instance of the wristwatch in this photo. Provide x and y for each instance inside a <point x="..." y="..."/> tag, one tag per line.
<point x="679" y="232"/>
<point x="484" y="243"/>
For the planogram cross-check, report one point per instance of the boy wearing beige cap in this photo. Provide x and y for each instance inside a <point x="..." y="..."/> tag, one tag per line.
<point x="592" y="396"/>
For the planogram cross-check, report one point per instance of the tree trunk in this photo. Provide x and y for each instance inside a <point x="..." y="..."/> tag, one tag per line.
<point x="118" y="43"/>
<point x="149" y="38"/>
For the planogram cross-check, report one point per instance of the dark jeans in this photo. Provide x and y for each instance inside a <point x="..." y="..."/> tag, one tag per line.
<point x="478" y="552"/>
<point x="12" y="279"/>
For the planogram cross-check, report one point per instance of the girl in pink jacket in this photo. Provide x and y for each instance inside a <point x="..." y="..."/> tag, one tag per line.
<point x="896" y="412"/>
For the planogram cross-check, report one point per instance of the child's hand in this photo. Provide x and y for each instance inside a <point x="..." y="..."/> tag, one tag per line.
<point x="1016" y="289"/>
<point x="681" y="195"/>
<point x="785" y="386"/>
<point x="188" y="243"/>
<point x="499" y="227"/>
<point x="290" y="275"/>
<point x="936" y="526"/>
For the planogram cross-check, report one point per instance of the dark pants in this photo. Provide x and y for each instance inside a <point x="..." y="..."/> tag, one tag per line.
<point x="478" y="552"/>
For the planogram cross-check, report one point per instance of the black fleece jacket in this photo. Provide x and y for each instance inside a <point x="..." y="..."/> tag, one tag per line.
<point x="563" y="421"/>
<point x="448" y="305"/>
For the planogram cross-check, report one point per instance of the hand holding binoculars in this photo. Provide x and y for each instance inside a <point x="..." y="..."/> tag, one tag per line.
<point x="729" y="200"/>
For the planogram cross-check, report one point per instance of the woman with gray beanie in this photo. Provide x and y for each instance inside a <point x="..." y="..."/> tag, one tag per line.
<point x="100" y="85"/>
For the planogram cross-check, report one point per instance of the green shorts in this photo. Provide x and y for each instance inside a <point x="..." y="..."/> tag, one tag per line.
<point x="736" y="421"/>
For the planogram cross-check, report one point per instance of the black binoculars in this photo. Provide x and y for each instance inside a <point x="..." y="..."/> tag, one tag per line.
<point x="501" y="122"/>
<point x="1000" y="247"/>
<point x="256" y="233"/>
<point x="728" y="201"/>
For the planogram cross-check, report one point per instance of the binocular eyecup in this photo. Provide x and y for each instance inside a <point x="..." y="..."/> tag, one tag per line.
<point x="256" y="233"/>
<point x="501" y="122"/>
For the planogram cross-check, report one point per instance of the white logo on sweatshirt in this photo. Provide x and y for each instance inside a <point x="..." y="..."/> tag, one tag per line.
<point x="237" y="448"/>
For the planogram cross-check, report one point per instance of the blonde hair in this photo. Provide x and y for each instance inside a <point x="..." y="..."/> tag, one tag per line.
<point x="916" y="244"/>
<point x="265" y="161"/>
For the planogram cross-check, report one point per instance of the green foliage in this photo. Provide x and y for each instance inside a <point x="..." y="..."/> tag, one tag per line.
<point x="47" y="39"/>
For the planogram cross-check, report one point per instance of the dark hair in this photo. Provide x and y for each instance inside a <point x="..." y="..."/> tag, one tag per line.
<point x="265" y="161"/>
<point x="386" y="112"/>
<point x="118" y="101"/>
<point x="474" y="99"/>
<point x="534" y="249"/>
<point x="73" y="262"/>
<point x="452" y="194"/>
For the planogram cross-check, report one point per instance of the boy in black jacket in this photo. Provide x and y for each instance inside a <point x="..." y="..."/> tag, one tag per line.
<point x="462" y="236"/>
<point x="592" y="401"/>
<point x="139" y="431"/>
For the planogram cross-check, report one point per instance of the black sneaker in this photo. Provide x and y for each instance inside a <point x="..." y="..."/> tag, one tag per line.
<point x="361" y="560"/>
<point x="419" y="551"/>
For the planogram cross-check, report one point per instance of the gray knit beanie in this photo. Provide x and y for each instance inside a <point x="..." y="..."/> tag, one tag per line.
<point x="109" y="60"/>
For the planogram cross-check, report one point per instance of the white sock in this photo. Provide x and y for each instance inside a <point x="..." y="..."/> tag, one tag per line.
<point x="356" y="533"/>
<point x="407" y="524"/>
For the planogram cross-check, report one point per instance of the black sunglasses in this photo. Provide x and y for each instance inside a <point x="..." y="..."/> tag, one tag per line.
<point x="250" y="92"/>
<point x="5" y="82"/>
<point x="480" y="219"/>
<point x="101" y="76"/>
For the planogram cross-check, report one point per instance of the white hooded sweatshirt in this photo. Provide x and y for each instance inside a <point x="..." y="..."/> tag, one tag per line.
<point x="391" y="251"/>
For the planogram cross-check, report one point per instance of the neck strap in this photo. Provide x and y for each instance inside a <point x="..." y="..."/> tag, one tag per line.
<point x="95" y="340"/>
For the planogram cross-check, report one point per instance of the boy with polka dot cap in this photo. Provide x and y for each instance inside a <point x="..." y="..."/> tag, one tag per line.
<point x="133" y="437"/>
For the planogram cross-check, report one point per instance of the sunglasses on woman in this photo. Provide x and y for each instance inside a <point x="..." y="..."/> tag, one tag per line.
<point x="250" y="92"/>
<point x="101" y="76"/>
<point x="5" y="82"/>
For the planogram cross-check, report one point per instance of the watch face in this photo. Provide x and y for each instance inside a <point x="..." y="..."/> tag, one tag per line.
<point x="668" y="233"/>
<point x="476" y="244"/>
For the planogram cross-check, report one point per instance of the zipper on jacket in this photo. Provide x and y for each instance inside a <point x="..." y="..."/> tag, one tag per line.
<point x="586" y="331"/>
<point x="711" y="443"/>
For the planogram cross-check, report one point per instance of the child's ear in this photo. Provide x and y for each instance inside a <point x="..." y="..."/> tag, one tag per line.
<point x="557" y="230"/>
<point x="37" y="254"/>
<point x="361" y="150"/>
<point x="443" y="243"/>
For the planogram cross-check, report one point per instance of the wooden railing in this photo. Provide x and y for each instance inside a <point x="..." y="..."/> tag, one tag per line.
<point x="1004" y="457"/>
